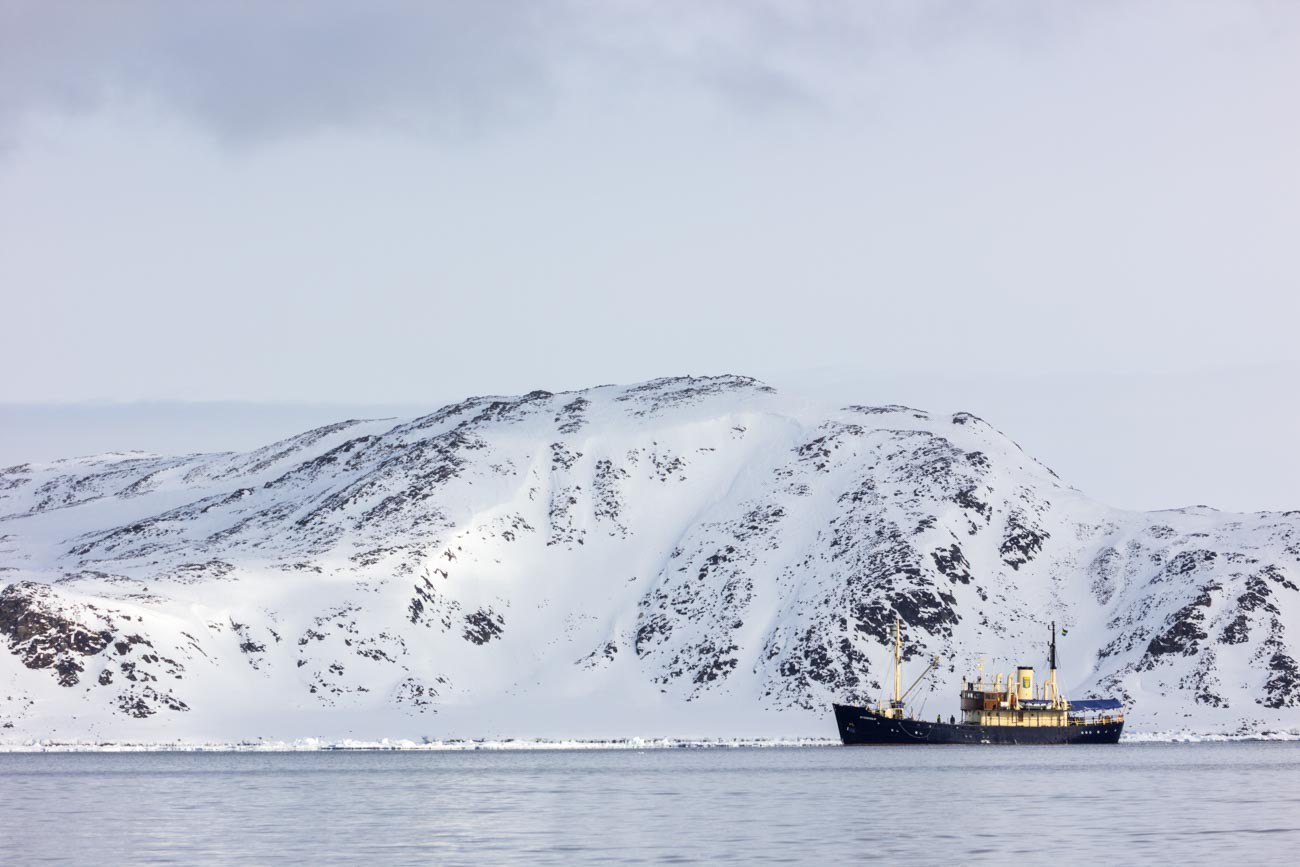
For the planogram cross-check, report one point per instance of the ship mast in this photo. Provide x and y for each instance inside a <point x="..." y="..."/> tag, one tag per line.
<point x="1051" y="679"/>
<point x="898" y="661"/>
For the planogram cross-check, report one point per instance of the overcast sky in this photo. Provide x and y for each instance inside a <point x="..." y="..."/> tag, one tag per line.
<point x="401" y="203"/>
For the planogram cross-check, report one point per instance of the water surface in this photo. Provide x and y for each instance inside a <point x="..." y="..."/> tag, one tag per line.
<point x="1131" y="803"/>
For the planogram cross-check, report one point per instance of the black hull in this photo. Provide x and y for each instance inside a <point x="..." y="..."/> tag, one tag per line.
<point x="863" y="726"/>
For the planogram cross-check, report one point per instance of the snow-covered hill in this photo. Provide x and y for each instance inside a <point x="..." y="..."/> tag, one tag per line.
<point x="684" y="557"/>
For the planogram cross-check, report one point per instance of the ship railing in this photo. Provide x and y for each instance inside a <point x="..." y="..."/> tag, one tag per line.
<point x="1082" y="718"/>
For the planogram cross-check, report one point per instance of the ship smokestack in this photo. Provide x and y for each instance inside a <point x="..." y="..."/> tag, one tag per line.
<point x="1024" y="682"/>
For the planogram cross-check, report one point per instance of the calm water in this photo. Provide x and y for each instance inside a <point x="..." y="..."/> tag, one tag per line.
<point x="1126" y="804"/>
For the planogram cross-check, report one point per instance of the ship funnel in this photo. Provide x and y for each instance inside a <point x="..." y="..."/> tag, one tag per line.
<point x="1024" y="682"/>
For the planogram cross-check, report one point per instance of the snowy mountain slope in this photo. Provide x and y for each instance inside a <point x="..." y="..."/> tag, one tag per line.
<point x="689" y="556"/>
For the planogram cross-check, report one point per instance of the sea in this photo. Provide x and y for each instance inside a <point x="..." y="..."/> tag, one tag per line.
<point x="1136" y="803"/>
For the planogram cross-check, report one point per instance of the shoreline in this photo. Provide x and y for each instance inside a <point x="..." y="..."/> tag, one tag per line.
<point x="544" y="744"/>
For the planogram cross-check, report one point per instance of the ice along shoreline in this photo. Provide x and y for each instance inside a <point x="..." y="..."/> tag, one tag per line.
<point x="543" y="744"/>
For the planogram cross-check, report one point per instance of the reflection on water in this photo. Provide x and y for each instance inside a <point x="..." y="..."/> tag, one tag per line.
<point x="1132" y="803"/>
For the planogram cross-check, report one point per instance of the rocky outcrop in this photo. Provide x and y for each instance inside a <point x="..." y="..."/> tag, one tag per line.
<point x="44" y="636"/>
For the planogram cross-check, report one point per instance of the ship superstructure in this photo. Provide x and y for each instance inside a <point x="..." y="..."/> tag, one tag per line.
<point x="1006" y="710"/>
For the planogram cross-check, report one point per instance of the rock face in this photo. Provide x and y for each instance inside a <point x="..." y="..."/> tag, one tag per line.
<point x="685" y="552"/>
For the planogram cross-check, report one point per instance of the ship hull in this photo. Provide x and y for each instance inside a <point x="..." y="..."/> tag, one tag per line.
<point x="860" y="726"/>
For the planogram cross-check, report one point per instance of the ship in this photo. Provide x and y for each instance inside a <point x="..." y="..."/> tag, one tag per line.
<point x="992" y="712"/>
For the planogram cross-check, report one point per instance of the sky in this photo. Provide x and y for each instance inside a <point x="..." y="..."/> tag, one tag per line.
<point x="1078" y="220"/>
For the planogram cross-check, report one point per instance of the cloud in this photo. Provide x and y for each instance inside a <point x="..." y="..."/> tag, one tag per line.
<point x="249" y="70"/>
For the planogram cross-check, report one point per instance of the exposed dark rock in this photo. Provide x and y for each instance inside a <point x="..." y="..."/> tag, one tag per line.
<point x="42" y="635"/>
<point x="1185" y="563"/>
<point x="147" y="701"/>
<point x="1282" y="689"/>
<point x="968" y="498"/>
<point x="483" y="625"/>
<point x="1022" y="540"/>
<point x="604" y="653"/>
<point x="1183" y="630"/>
<point x="951" y="563"/>
<point x="573" y="416"/>
<point x="417" y="694"/>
